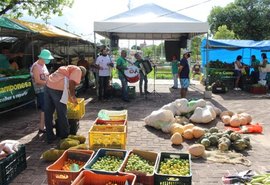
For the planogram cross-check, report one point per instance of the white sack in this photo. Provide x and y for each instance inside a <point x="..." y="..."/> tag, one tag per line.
<point x="181" y="106"/>
<point x="160" y="118"/>
<point x="192" y="105"/>
<point x="203" y="115"/>
<point x="170" y="106"/>
<point x="217" y="110"/>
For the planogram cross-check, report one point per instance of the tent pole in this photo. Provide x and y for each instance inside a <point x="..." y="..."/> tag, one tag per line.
<point x="207" y="58"/>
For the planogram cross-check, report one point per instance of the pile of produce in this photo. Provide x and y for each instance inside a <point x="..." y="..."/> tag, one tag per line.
<point x="136" y="163"/>
<point x="107" y="163"/>
<point x="225" y="140"/>
<point x="71" y="142"/>
<point x="175" y="166"/>
<point x="235" y="119"/>
<point x="73" y="165"/>
<point x="260" y="179"/>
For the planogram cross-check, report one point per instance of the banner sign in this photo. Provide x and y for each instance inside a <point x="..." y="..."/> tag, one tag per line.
<point x="15" y="90"/>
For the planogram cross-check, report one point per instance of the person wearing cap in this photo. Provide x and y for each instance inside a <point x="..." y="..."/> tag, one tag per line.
<point x="121" y="66"/>
<point x="39" y="74"/>
<point x="60" y="89"/>
<point x="184" y="73"/>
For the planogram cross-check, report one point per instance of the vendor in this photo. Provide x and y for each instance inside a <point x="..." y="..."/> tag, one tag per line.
<point x="255" y="74"/>
<point x="4" y="61"/>
<point x="59" y="89"/>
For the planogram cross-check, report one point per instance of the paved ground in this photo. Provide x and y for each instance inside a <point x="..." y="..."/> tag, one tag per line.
<point x="22" y="125"/>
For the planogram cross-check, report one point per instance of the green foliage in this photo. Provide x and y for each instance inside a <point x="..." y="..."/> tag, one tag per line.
<point x="37" y="8"/>
<point x="136" y="47"/>
<point x="196" y="48"/>
<point x="224" y="33"/>
<point x="248" y="19"/>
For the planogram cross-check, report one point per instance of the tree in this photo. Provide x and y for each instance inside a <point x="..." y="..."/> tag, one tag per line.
<point x="36" y="8"/>
<point x="224" y="33"/>
<point x="248" y="19"/>
<point x="196" y="48"/>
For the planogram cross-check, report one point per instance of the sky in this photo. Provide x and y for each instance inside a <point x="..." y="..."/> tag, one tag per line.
<point x="80" y="18"/>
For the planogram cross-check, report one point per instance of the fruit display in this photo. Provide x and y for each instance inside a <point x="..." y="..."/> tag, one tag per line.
<point x="73" y="165"/>
<point x="225" y="140"/>
<point x="138" y="164"/>
<point x="260" y="179"/>
<point x="175" y="166"/>
<point x="107" y="163"/>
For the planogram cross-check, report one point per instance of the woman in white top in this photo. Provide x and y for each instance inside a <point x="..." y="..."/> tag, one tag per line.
<point x="237" y="71"/>
<point x="104" y="64"/>
<point x="39" y="74"/>
<point x="263" y="64"/>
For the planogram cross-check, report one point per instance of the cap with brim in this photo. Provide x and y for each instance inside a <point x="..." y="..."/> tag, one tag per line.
<point x="186" y="52"/>
<point x="45" y="54"/>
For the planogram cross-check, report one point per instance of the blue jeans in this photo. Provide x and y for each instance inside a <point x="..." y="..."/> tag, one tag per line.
<point x="52" y="102"/>
<point x="175" y="80"/>
<point x="143" y="78"/>
<point x="124" y="84"/>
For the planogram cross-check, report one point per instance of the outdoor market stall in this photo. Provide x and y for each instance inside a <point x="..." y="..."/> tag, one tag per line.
<point x="219" y="55"/>
<point x="28" y="39"/>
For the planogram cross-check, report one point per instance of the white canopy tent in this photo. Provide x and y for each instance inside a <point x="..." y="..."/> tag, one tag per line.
<point x="150" y="22"/>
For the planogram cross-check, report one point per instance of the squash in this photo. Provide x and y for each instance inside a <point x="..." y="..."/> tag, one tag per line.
<point x="197" y="132"/>
<point x="228" y="113"/>
<point x="226" y="119"/>
<point x="243" y="120"/>
<point x="188" y="134"/>
<point x="188" y="126"/>
<point x="177" y="129"/>
<point x="196" y="150"/>
<point x="247" y="116"/>
<point x="235" y="121"/>
<point x="176" y="139"/>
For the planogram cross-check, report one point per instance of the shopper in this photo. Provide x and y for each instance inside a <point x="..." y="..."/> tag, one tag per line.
<point x="175" y="64"/>
<point x="237" y="72"/>
<point x="255" y="74"/>
<point x="85" y="64"/>
<point x="143" y="75"/>
<point x="263" y="65"/>
<point x="39" y="74"/>
<point x="184" y="74"/>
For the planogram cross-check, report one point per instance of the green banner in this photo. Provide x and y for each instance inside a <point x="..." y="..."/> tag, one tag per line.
<point x="15" y="90"/>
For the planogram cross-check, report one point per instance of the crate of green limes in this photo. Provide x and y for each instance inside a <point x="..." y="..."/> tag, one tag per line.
<point x="107" y="161"/>
<point x="173" y="169"/>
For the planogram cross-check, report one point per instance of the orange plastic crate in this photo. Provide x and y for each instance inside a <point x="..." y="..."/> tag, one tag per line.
<point x="145" y="179"/>
<point x="90" y="178"/>
<point x="106" y="136"/>
<point x="57" y="176"/>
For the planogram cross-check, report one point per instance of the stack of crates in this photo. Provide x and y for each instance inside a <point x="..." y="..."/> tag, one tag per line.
<point x="109" y="133"/>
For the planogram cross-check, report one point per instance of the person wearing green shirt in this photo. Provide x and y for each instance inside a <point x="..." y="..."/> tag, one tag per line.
<point x="255" y="75"/>
<point x="175" y="65"/>
<point x="4" y="61"/>
<point x="121" y="66"/>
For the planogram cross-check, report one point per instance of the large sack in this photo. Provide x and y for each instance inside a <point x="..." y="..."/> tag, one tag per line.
<point x="217" y="110"/>
<point x="159" y="118"/>
<point x="181" y="106"/>
<point x="193" y="104"/>
<point x="203" y="115"/>
<point x="170" y="106"/>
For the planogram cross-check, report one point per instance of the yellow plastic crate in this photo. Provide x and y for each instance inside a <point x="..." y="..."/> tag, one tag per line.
<point x="75" y="111"/>
<point x="104" y="136"/>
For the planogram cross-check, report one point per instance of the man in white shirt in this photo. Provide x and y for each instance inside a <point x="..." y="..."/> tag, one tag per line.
<point x="104" y="64"/>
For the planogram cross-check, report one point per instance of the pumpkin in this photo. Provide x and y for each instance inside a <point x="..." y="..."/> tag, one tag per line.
<point x="235" y="121"/>
<point x="196" y="150"/>
<point x="228" y="113"/>
<point x="177" y="129"/>
<point x="188" y="134"/>
<point x="188" y="126"/>
<point x="243" y="120"/>
<point x="247" y="116"/>
<point x="197" y="132"/>
<point x="226" y="119"/>
<point x="176" y="139"/>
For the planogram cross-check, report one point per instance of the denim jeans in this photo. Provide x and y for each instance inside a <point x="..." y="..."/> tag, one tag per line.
<point x="103" y="87"/>
<point x="124" y="84"/>
<point x="175" y="80"/>
<point x="143" y="78"/>
<point x="52" y="102"/>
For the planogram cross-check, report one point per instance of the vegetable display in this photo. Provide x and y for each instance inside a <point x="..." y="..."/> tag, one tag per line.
<point x="138" y="164"/>
<point x="175" y="167"/>
<point x="107" y="163"/>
